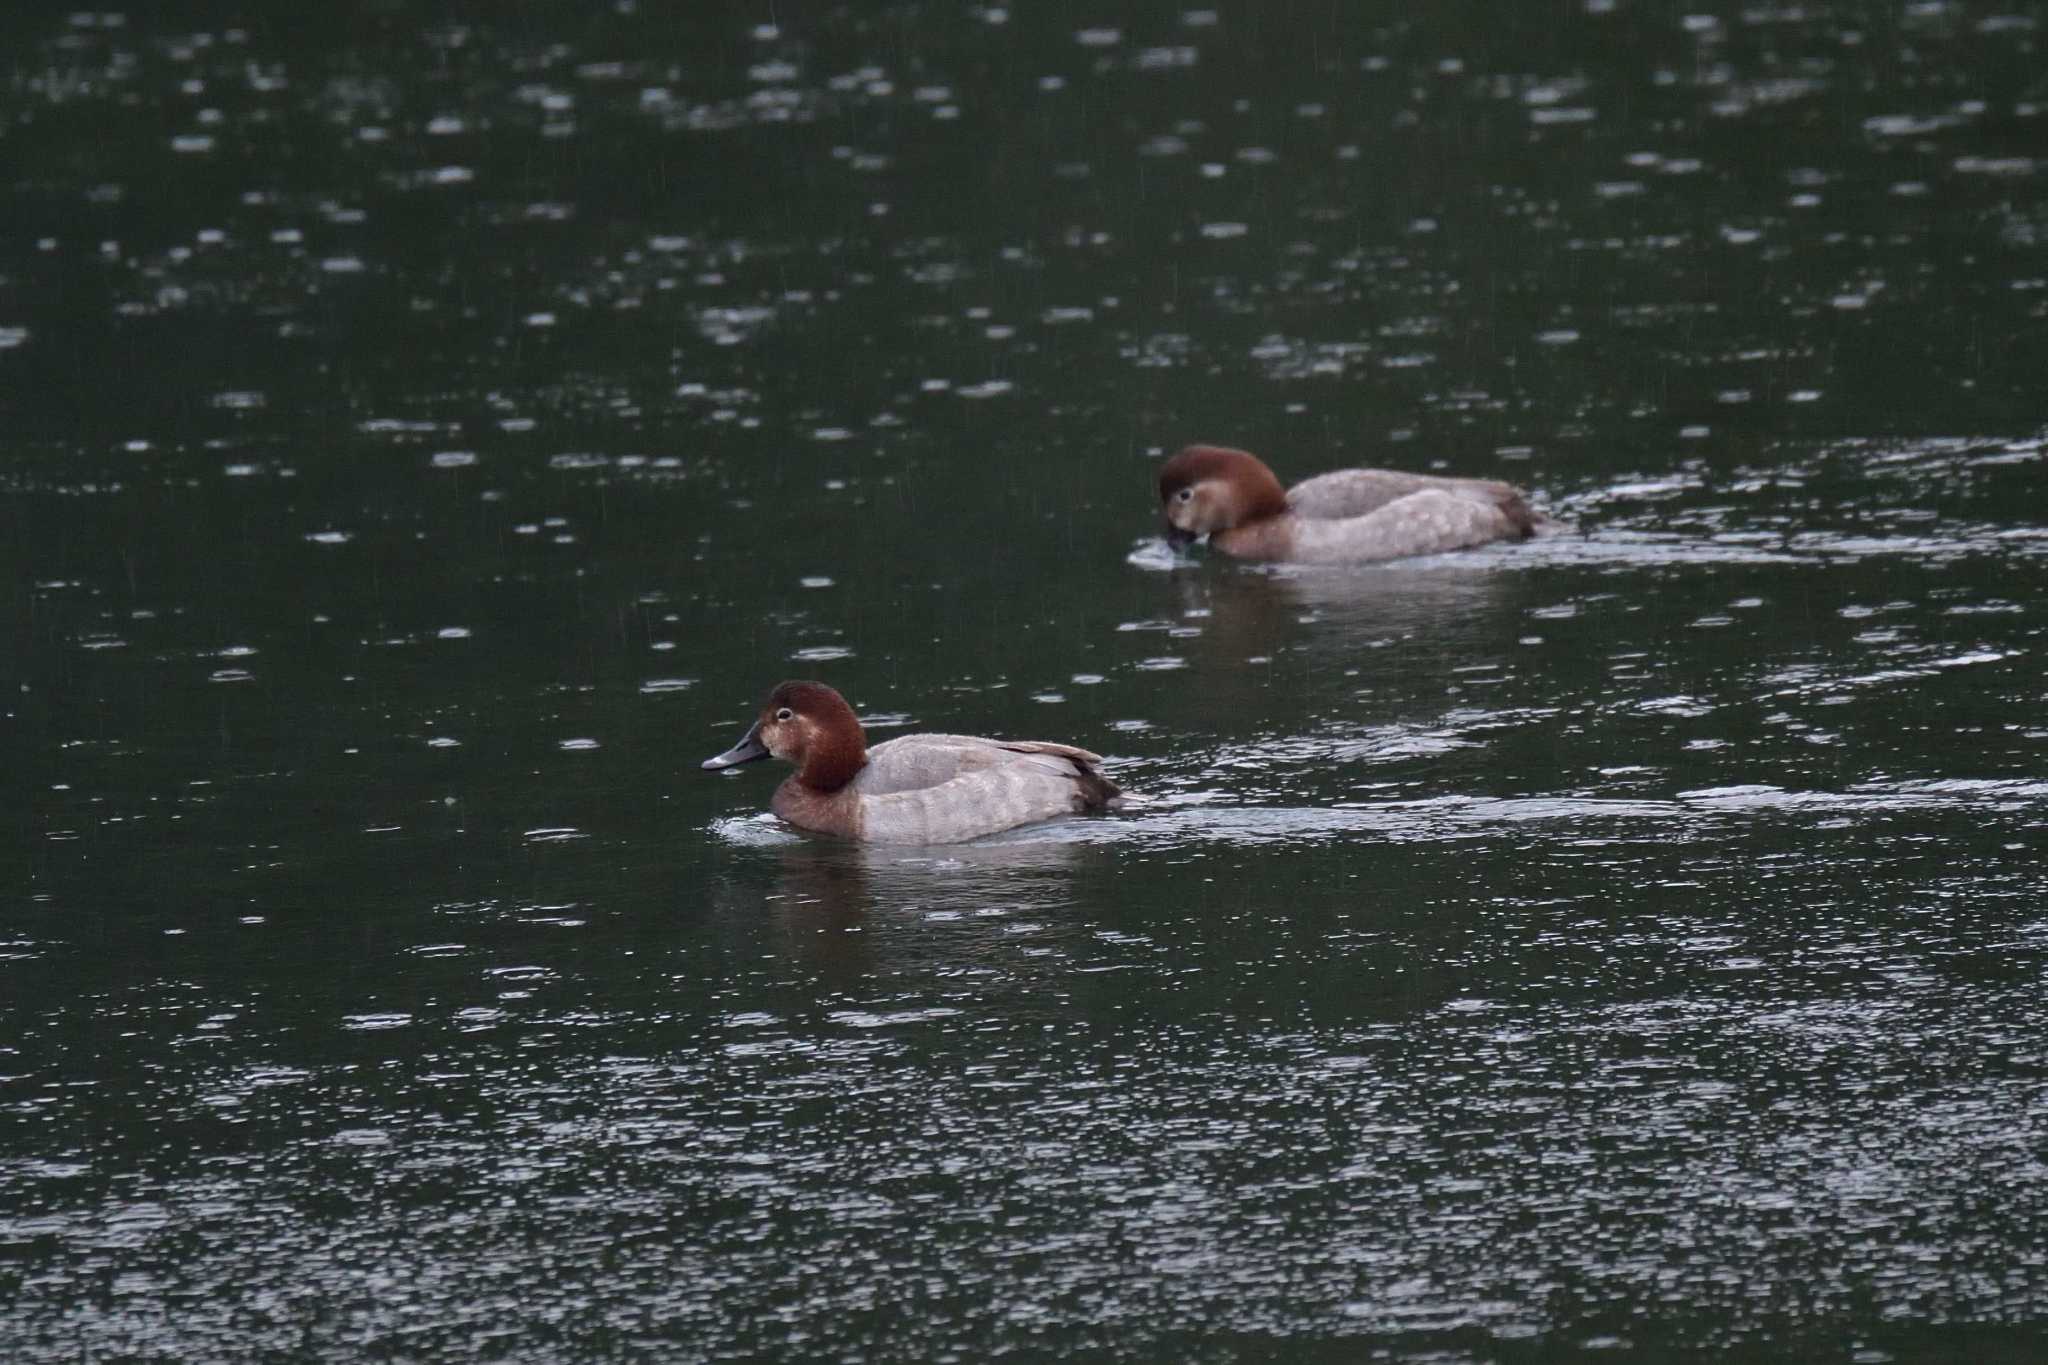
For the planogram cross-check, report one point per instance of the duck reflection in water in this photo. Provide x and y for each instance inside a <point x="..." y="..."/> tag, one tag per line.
<point x="1258" y="612"/>
<point x="845" y="908"/>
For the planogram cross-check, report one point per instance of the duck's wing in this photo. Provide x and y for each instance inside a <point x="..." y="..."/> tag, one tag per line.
<point x="1345" y="493"/>
<point x="1427" y="522"/>
<point x="914" y="762"/>
<point x="941" y="789"/>
<point x="1351" y="492"/>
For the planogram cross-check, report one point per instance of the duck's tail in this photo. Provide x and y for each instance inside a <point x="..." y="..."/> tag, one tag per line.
<point x="1523" y="520"/>
<point x="1096" y="791"/>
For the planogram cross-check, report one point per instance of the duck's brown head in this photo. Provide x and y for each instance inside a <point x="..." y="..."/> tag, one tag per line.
<point x="1206" y="489"/>
<point x="810" y="725"/>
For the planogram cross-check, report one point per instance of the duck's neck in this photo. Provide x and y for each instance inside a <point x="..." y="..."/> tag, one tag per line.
<point x="825" y="812"/>
<point x="1269" y="537"/>
<point x="1257" y="495"/>
<point x="832" y="761"/>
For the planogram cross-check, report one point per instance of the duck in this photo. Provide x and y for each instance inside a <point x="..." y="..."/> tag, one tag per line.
<point x="915" y="789"/>
<point x="1348" y="516"/>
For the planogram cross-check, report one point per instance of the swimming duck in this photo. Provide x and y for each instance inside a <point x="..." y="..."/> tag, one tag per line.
<point x="1349" y="516"/>
<point x="916" y="789"/>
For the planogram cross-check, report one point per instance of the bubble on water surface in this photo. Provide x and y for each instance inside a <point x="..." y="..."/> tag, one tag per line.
<point x="1155" y="555"/>
<point x="369" y="1023"/>
<point x="863" y="1019"/>
<point x="755" y="831"/>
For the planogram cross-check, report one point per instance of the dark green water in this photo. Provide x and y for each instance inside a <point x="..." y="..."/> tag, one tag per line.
<point x="422" y="440"/>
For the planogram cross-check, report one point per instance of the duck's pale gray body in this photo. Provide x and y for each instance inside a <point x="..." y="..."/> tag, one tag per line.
<point x="942" y="789"/>
<point x="1360" y="515"/>
<point x="1348" y="516"/>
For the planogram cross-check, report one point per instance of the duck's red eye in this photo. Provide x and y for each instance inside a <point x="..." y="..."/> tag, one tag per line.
<point x="784" y="714"/>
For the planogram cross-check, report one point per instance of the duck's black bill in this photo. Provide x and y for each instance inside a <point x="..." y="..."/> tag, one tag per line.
<point x="1177" y="537"/>
<point x="747" y="750"/>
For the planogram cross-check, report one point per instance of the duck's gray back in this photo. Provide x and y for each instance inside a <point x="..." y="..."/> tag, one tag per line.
<point x="941" y="789"/>
<point x="1429" y="521"/>
<point x="1356" y="492"/>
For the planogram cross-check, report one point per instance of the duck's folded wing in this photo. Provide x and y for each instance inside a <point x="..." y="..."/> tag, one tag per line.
<point x="1030" y="786"/>
<point x="917" y="761"/>
<point x="1352" y="492"/>
<point x="1424" y="523"/>
<point x="1046" y="746"/>
<point x="1347" y="493"/>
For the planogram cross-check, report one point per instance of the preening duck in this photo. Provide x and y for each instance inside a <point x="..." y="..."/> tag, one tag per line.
<point x="1349" y="516"/>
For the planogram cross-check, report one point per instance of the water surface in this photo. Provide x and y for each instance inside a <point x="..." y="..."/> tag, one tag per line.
<point x="426" y="439"/>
